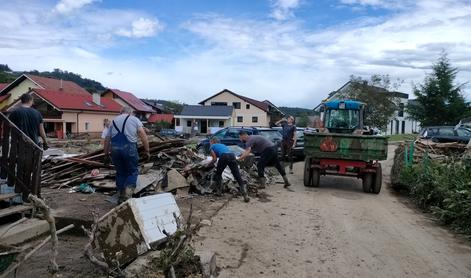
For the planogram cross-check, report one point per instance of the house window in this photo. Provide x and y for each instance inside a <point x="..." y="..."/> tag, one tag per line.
<point x="254" y="119"/>
<point x="236" y="105"/>
<point x="240" y="119"/>
<point x="397" y="126"/>
<point x="188" y="123"/>
<point x="221" y="123"/>
<point x="177" y="122"/>
<point x="217" y="103"/>
<point x="87" y="126"/>
<point x="403" y="129"/>
<point x="247" y="106"/>
<point x="401" y="110"/>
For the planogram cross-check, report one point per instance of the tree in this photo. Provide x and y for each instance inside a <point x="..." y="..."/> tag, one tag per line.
<point x="438" y="100"/>
<point x="4" y="67"/>
<point x="303" y="120"/>
<point x="381" y="101"/>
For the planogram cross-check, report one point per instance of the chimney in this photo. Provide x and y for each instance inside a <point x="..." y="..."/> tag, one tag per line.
<point x="97" y="98"/>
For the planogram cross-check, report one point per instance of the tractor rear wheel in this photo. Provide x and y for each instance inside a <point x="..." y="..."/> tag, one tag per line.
<point x="316" y="176"/>
<point x="378" y="179"/>
<point x="367" y="182"/>
<point x="307" y="172"/>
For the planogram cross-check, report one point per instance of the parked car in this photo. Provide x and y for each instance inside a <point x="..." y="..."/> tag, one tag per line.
<point x="298" y="151"/>
<point x="170" y="133"/>
<point x="446" y="134"/>
<point x="230" y="136"/>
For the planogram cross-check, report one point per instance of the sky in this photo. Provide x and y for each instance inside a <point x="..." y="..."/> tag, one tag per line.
<point x="291" y="52"/>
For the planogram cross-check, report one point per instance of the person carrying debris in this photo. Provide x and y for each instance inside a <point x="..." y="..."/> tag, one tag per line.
<point x="268" y="156"/>
<point x="226" y="158"/>
<point x="106" y="127"/>
<point x="29" y="120"/>
<point x="121" y="141"/>
<point x="289" y="140"/>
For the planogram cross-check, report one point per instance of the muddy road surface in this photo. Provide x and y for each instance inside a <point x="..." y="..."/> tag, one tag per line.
<point x="335" y="230"/>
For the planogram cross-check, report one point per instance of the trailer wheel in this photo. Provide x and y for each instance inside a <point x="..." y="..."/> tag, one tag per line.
<point x="378" y="179"/>
<point x="307" y="172"/>
<point x="367" y="182"/>
<point x="316" y="176"/>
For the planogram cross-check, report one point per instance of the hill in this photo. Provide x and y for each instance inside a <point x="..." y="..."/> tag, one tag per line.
<point x="7" y="76"/>
<point x="296" y="111"/>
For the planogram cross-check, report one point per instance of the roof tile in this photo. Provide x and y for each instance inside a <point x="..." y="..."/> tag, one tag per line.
<point x="133" y="101"/>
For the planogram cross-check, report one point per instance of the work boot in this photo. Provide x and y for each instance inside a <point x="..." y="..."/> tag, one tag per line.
<point x="243" y="190"/>
<point x="218" y="191"/>
<point x="121" y="196"/>
<point x="291" y="170"/>
<point x="287" y="183"/>
<point x="129" y="191"/>
<point x="262" y="182"/>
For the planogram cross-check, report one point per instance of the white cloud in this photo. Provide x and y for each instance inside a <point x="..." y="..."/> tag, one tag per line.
<point x="283" y="9"/>
<point x="141" y="28"/>
<point x="280" y="60"/>
<point x="67" y="6"/>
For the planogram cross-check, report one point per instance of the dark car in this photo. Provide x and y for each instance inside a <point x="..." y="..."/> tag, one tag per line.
<point x="230" y="136"/>
<point x="170" y="133"/>
<point x="298" y="151"/>
<point x="446" y="134"/>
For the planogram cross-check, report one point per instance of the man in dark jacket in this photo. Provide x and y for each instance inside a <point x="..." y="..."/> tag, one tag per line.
<point x="289" y="140"/>
<point x="268" y="156"/>
<point x="29" y="120"/>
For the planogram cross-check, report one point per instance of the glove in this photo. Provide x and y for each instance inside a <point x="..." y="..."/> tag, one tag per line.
<point x="45" y="146"/>
<point x="106" y="160"/>
<point x="147" y="156"/>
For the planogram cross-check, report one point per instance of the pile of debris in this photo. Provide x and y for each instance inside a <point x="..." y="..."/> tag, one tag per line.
<point x="173" y="167"/>
<point x="437" y="151"/>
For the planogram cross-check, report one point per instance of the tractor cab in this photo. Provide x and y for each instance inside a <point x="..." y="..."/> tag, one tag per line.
<point x="343" y="116"/>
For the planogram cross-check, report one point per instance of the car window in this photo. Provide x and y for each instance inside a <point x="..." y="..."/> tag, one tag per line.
<point x="271" y="134"/>
<point x="464" y="132"/>
<point x="232" y="133"/>
<point x="446" y="131"/>
<point x="220" y="134"/>
<point x="300" y="134"/>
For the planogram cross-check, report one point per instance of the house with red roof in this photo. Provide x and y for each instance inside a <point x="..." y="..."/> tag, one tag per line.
<point x="26" y="82"/>
<point x="208" y="117"/>
<point x="71" y="112"/>
<point x="141" y="109"/>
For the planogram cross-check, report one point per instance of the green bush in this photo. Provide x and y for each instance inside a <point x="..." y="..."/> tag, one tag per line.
<point x="445" y="189"/>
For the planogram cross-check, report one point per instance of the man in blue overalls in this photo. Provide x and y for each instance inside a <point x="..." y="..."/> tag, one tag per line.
<point x="123" y="133"/>
<point x="226" y="158"/>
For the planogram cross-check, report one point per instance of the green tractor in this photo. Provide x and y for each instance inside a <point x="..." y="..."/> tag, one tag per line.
<point x="341" y="148"/>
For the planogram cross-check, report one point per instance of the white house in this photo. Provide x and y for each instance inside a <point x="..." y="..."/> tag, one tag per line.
<point x="399" y="123"/>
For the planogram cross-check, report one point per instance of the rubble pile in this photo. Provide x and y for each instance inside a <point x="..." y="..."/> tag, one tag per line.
<point x="173" y="167"/>
<point x="437" y="151"/>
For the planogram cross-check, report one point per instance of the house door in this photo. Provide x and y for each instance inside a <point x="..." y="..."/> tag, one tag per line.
<point x="204" y="126"/>
<point x="68" y="128"/>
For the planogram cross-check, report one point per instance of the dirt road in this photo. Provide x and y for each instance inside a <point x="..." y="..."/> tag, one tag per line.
<point x="332" y="231"/>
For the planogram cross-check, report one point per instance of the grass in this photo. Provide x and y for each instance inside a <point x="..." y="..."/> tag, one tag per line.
<point x="402" y="137"/>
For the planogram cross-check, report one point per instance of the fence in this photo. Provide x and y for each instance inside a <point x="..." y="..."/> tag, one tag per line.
<point x="20" y="160"/>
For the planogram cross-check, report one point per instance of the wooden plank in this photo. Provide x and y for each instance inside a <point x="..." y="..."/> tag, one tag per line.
<point x="20" y="167"/>
<point x="5" y="148"/>
<point x="12" y="156"/>
<point x="14" y="210"/>
<point x="8" y="196"/>
<point x="28" y="170"/>
<point x="36" y="172"/>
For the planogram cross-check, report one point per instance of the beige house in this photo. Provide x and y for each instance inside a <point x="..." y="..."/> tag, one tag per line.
<point x="247" y="112"/>
<point x="67" y="114"/>
<point x="23" y="84"/>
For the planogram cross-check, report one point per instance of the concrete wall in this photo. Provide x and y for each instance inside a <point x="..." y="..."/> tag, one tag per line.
<point x="246" y="114"/>
<point x="17" y="91"/>
<point x="79" y="119"/>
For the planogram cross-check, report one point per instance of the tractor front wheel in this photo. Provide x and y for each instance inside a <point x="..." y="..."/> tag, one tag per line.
<point x="367" y="182"/>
